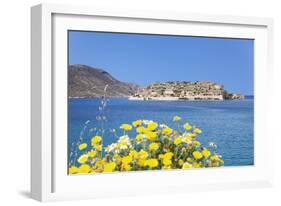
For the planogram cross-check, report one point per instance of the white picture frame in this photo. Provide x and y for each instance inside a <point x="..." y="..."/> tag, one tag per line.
<point x="49" y="179"/>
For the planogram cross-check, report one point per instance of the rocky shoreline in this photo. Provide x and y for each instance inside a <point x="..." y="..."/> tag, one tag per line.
<point x="174" y="91"/>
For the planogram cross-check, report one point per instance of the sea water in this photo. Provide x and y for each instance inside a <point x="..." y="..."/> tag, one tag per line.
<point x="229" y="124"/>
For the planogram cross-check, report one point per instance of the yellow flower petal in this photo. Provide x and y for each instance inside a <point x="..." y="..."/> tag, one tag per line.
<point x="167" y="162"/>
<point x="153" y="146"/>
<point x="126" y="160"/>
<point x="109" y="167"/>
<point x="197" y="130"/>
<point x="206" y="153"/>
<point x="152" y="163"/>
<point x="96" y="140"/>
<point x="141" y="129"/>
<point x="82" y="146"/>
<point x="187" y="126"/>
<point x="196" y="143"/>
<point x="176" y="118"/>
<point x="73" y="170"/>
<point x="92" y="153"/>
<point x="186" y="165"/>
<point x="152" y="126"/>
<point x="167" y="131"/>
<point x="180" y="162"/>
<point x="98" y="147"/>
<point x="84" y="169"/>
<point x="126" y="127"/>
<point x="137" y="123"/>
<point x="83" y="158"/>
<point x="167" y="155"/>
<point x="197" y="155"/>
<point x="152" y="136"/>
<point x="215" y="158"/>
<point x="126" y="167"/>
<point x="177" y="141"/>
<point x="142" y="154"/>
<point x="139" y="137"/>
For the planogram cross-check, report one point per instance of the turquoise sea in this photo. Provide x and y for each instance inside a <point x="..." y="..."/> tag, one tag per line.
<point x="229" y="124"/>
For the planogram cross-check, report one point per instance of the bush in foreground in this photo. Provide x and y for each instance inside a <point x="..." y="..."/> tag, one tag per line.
<point x="154" y="147"/>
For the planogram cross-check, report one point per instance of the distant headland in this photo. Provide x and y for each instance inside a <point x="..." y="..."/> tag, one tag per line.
<point x="88" y="82"/>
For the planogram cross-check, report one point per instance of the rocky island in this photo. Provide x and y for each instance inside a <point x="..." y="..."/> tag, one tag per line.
<point x="183" y="90"/>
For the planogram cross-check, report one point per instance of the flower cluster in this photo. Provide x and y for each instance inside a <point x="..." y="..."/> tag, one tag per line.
<point x="154" y="147"/>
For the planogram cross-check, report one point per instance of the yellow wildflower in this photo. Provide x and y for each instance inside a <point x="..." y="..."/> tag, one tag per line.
<point x="137" y="123"/>
<point x="127" y="167"/>
<point x="141" y="129"/>
<point x="197" y="130"/>
<point x="186" y="138"/>
<point x="143" y="154"/>
<point x="177" y="141"/>
<point x="215" y="158"/>
<point x="133" y="154"/>
<point x="82" y="146"/>
<point x="187" y="126"/>
<point x="109" y="167"/>
<point x="98" y="147"/>
<point x="196" y="143"/>
<point x="126" y="127"/>
<point x="96" y="140"/>
<point x="206" y="153"/>
<point x="180" y="162"/>
<point x="186" y="165"/>
<point x="99" y="165"/>
<point x="167" y="162"/>
<point x="151" y="163"/>
<point x="153" y="146"/>
<point x="126" y="160"/>
<point x="92" y="153"/>
<point x="167" y="155"/>
<point x="141" y="162"/>
<point x="83" y="158"/>
<point x="152" y="126"/>
<point x="197" y="155"/>
<point x="84" y="169"/>
<point x="176" y="118"/>
<point x="73" y="170"/>
<point x="167" y="131"/>
<point x="139" y="137"/>
<point x="152" y="136"/>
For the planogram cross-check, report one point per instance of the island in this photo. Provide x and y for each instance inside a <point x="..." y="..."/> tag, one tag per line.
<point x="184" y="90"/>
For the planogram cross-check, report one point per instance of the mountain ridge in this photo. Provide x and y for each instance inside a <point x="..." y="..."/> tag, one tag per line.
<point x="86" y="81"/>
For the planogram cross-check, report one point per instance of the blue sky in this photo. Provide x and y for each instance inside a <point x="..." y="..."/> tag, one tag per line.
<point x="144" y="59"/>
